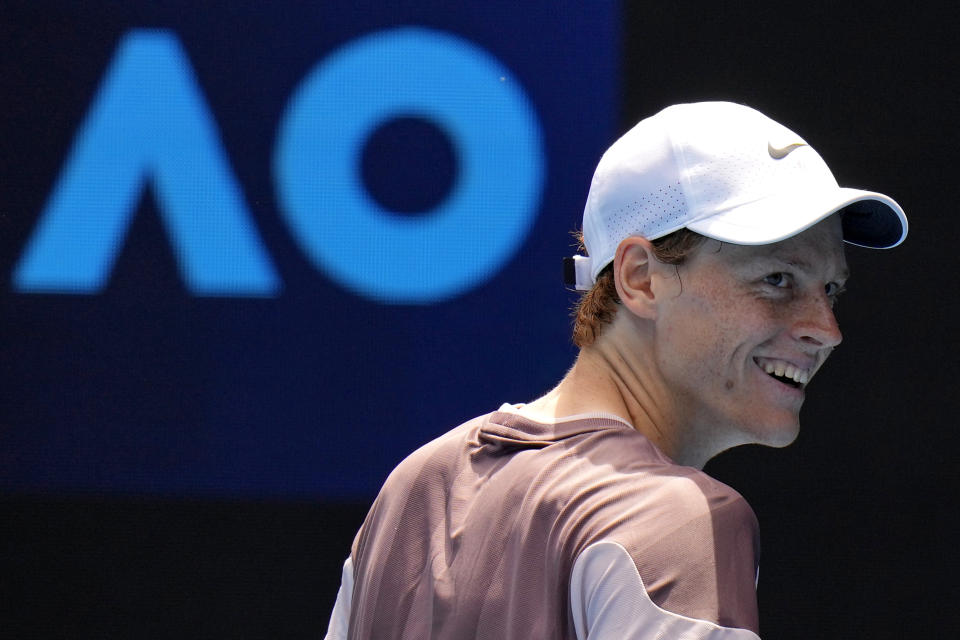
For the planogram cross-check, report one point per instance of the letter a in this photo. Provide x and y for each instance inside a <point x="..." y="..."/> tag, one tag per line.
<point x="148" y="124"/>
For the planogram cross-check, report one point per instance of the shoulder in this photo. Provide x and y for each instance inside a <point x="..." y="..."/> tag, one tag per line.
<point x="708" y="538"/>
<point x="430" y="459"/>
<point x="694" y="543"/>
<point x="418" y="485"/>
<point x="688" y="496"/>
<point x="646" y="500"/>
<point x="608" y="599"/>
<point x="690" y="519"/>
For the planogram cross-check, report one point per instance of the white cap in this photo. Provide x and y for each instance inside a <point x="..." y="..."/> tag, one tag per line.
<point x="727" y="172"/>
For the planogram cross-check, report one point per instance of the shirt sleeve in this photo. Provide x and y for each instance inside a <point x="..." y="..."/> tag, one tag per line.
<point x="340" y="618"/>
<point x="608" y="601"/>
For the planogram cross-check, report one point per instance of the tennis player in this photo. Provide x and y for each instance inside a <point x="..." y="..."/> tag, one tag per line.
<point x="714" y="241"/>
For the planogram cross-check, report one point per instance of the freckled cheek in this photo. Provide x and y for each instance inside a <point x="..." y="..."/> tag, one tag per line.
<point x="708" y="339"/>
<point x="728" y="344"/>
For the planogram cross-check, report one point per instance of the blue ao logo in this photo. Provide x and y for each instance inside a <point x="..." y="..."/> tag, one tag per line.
<point x="149" y="124"/>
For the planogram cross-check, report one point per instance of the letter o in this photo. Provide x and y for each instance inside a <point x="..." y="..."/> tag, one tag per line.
<point x="467" y="237"/>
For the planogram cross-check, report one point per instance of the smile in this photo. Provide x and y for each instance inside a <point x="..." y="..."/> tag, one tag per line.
<point x="784" y="372"/>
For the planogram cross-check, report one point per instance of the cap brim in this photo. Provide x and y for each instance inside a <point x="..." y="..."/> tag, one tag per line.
<point x="869" y="219"/>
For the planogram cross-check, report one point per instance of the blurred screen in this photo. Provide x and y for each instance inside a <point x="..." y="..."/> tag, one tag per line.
<point x="268" y="251"/>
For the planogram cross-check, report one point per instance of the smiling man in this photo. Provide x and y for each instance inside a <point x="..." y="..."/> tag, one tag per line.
<point x="715" y="253"/>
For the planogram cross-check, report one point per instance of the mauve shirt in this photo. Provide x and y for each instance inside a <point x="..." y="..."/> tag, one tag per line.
<point x="506" y="528"/>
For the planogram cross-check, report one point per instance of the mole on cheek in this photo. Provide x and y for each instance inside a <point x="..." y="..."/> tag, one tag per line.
<point x="729" y="385"/>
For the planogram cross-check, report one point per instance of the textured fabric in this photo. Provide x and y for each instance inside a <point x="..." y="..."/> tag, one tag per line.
<point x="475" y="534"/>
<point x="608" y="601"/>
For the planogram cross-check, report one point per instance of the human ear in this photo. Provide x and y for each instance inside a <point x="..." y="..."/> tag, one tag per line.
<point x="633" y="268"/>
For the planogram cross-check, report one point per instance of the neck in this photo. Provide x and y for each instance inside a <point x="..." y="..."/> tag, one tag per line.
<point x="610" y="377"/>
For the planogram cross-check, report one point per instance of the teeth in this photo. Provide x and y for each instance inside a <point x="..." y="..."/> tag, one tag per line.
<point x="786" y="370"/>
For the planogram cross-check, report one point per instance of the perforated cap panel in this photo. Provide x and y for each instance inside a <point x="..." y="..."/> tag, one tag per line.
<point x="648" y="214"/>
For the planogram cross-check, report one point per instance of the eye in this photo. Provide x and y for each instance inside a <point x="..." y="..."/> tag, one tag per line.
<point x="834" y="289"/>
<point x="780" y="280"/>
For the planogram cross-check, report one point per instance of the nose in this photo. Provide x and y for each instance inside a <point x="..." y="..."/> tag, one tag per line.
<point x="816" y="323"/>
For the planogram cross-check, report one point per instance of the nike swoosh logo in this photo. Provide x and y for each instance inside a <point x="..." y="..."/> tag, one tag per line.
<point x="778" y="153"/>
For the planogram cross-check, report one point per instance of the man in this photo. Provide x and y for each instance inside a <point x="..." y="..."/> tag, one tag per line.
<point x="715" y="254"/>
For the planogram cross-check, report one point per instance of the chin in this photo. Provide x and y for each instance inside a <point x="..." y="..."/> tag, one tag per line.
<point x="784" y="441"/>
<point x="777" y="431"/>
<point x="779" y="436"/>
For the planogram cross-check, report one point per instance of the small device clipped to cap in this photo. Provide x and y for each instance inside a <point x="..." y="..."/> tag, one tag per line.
<point x="727" y="172"/>
<point x="576" y="272"/>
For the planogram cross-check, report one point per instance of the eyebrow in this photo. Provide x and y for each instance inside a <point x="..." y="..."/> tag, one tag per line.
<point x="803" y="265"/>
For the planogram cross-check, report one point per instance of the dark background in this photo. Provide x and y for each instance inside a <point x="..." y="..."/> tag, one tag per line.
<point x="857" y="517"/>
